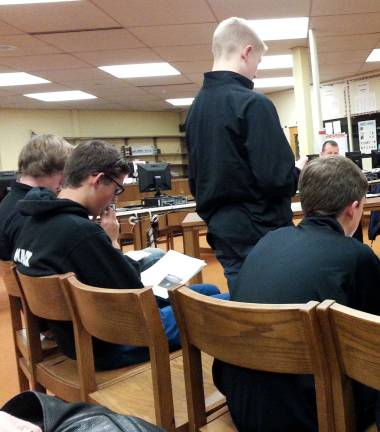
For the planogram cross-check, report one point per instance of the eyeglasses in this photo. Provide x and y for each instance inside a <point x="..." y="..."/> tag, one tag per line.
<point x="120" y="188"/>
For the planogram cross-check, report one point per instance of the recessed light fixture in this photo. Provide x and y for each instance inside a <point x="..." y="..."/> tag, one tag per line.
<point x="180" y="101"/>
<point x="61" y="96"/>
<point x="374" y="56"/>
<point x="274" y="82"/>
<point x="17" y="2"/>
<point x="140" y="70"/>
<point x="276" y="62"/>
<point x="281" y="28"/>
<point x="20" y="78"/>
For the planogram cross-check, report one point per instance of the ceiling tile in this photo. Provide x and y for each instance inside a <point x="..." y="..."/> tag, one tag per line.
<point x="337" y="71"/>
<point x="6" y="29"/>
<point x="370" y="67"/>
<point x="193" y="67"/>
<point x="339" y="7"/>
<point x="173" y="91"/>
<point x="157" y="12"/>
<point x="26" y="45"/>
<point x="185" y="53"/>
<point x="342" y="57"/>
<point x="125" y="56"/>
<point x="259" y="8"/>
<point x="48" y="17"/>
<point x="76" y="74"/>
<point x="92" y="40"/>
<point x="346" y="43"/>
<point x="186" y="34"/>
<point x="43" y="62"/>
<point x="346" y="24"/>
<point x="160" y="80"/>
<point x="285" y="46"/>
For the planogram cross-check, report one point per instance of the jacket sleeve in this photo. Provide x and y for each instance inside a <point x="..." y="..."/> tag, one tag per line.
<point x="98" y="263"/>
<point x="367" y="282"/>
<point x="270" y="156"/>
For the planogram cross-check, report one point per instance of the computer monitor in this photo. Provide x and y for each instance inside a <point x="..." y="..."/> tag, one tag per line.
<point x="356" y="157"/>
<point x="7" y="180"/>
<point x="375" y="156"/>
<point x="154" y="177"/>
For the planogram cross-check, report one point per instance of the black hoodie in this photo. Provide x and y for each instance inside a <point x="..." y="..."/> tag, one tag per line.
<point x="58" y="237"/>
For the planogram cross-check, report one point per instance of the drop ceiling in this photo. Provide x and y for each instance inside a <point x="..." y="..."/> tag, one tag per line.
<point x="66" y="42"/>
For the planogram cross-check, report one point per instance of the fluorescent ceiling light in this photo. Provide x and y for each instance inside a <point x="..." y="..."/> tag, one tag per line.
<point x="20" y="78"/>
<point x="16" y="2"/>
<point x="61" y="96"/>
<point x="180" y="101"/>
<point x="276" y="62"/>
<point x="374" y="56"/>
<point x="274" y="82"/>
<point x="281" y="28"/>
<point x="140" y="70"/>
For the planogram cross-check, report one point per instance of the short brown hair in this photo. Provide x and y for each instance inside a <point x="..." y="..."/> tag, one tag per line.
<point x="92" y="157"/>
<point x="327" y="185"/>
<point x="43" y="155"/>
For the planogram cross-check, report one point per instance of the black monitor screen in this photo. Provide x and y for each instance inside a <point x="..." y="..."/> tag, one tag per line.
<point x="375" y="156"/>
<point x="154" y="177"/>
<point x="7" y="180"/>
<point x="356" y="157"/>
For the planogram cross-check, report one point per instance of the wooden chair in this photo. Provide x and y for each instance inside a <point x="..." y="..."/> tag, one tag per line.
<point x="19" y="332"/>
<point x="131" y="317"/>
<point x="68" y="379"/>
<point x="238" y="333"/>
<point x="352" y="340"/>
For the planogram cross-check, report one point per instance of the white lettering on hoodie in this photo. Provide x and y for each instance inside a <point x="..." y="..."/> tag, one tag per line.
<point x="22" y="256"/>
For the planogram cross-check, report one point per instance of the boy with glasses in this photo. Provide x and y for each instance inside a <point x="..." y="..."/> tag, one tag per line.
<point x="58" y="237"/>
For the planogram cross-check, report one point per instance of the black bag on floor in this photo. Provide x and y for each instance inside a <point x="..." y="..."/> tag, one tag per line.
<point x="53" y="415"/>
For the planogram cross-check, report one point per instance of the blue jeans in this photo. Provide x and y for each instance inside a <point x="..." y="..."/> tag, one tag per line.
<point x="125" y="355"/>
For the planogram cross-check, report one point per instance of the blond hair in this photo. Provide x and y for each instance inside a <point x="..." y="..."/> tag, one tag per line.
<point x="43" y="155"/>
<point x="232" y="34"/>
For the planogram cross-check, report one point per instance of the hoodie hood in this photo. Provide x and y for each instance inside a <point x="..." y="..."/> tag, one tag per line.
<point x="40" y="202"/>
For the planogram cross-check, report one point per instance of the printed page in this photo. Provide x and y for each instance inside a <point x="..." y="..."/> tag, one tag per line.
<point x="174" y="268"/>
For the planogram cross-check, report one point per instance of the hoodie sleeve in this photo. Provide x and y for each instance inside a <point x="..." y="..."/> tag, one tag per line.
<point x="270" y="156"/>
<point x="98" y="263"/>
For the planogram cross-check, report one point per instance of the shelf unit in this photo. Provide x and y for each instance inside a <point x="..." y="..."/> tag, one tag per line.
<point x="165" y="148"/>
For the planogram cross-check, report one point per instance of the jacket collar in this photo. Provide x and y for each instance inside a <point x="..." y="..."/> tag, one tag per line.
<point x="322" y="221"/>
<point x="222" y="77"/>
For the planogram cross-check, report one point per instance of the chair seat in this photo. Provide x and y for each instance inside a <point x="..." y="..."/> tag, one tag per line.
<point x="134" y="395"/>
<point x="59" y="374"/>
<point x="220" y="421"/>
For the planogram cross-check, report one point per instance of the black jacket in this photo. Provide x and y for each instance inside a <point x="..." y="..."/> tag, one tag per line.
<point x="241" y="167"/>
<point x="11" y="220"/>
<point x="313" y="261"/>
<point x="58" y="237"/>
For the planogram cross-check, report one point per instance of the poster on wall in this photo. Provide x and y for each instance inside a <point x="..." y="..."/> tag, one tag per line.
<point x="330" y="102"/>
<point x="365" y="101"/>
<point x="367" y="136"/>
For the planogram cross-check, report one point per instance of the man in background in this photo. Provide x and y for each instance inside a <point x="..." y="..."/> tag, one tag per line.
<point x="241" y="167"/>
<point x="330" y="148"/>
<point x="40" y="164"/>
<point x="316" y="260"/>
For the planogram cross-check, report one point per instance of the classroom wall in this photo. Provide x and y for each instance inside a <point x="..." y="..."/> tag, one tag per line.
<point x="16" y="126"/>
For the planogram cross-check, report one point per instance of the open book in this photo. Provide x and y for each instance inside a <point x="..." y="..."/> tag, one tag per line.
<point x="174" y="268"/>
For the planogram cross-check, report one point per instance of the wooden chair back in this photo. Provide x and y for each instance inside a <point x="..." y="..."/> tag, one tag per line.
<point x="129" y="317"/>
<point x="352" y="340"/>
<point x="44" y="297"/>
<point x="10" y="282"/>
<point x="273" y="338"/>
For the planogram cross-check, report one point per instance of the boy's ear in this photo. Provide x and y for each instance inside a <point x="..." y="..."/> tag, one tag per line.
<point x="350" y="209"/>
<point x="95" y="179"/>
<point x="246" y="51"/>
